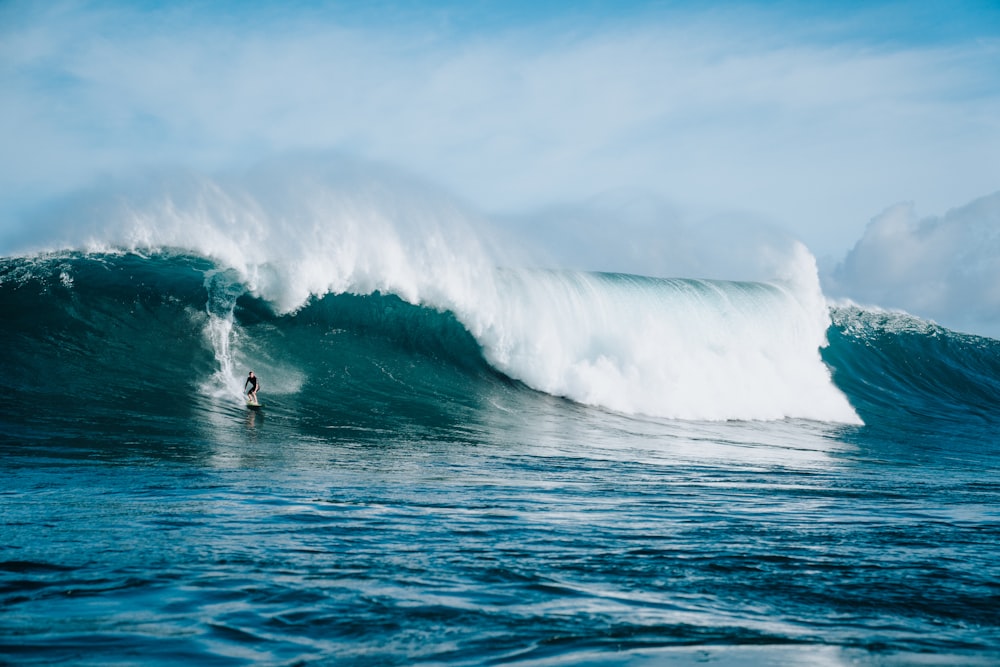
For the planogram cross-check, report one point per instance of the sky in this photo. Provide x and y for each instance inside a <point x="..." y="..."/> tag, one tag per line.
<point x="817" y="119"/>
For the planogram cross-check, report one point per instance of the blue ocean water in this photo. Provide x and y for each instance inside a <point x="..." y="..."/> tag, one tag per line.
<point x="552" y="468"/>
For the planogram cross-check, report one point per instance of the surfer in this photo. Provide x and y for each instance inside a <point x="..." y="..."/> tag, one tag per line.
<point x="254" y="386"/>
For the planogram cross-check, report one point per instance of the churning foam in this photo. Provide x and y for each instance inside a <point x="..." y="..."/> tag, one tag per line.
<point x="673" y="348"/>
<point x="687" y="349"/>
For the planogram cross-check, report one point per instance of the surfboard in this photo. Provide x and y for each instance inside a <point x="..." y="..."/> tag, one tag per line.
<point x="254" y="406"/>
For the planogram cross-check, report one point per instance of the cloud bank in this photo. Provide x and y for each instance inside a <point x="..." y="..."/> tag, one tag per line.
<point x="943" y="267"/>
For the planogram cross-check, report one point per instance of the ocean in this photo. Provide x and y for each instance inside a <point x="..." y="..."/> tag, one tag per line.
<point x="469" y="463"/>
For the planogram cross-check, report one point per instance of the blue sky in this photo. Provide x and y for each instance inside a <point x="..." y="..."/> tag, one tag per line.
<point x="812" y="118"/>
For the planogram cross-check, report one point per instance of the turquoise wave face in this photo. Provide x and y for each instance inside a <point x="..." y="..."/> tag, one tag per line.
<point x="105" y="339"/>
<point x="129" y="343"/>
<point x="901" y="372"/>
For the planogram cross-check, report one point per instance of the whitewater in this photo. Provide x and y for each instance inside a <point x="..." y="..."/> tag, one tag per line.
<point x="467" y="456"/>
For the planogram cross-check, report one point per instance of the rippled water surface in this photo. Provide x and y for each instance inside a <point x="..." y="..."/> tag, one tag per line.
<point x="569" y="537"/>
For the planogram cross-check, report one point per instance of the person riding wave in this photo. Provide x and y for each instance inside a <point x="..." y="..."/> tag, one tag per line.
<point x="254" y="386"/>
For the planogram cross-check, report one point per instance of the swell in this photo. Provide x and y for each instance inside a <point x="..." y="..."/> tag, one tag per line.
<point x="89" y="329"/>
<point x="912" y="377"/>
<point x="101" y="353"/>
<point x="98" y="304"/>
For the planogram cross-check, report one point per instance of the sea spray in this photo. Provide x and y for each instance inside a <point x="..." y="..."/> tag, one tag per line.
<point x="223" y="288"/>
<point x="692" y="349"/>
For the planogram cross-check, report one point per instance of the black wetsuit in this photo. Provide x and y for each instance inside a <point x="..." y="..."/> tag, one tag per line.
<point x="252" y="381"/>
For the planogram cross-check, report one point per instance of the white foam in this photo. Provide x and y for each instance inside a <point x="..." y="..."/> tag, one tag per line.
<point x="684" y="349"/>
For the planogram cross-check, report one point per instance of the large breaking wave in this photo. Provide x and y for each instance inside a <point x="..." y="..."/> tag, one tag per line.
<point x="677" y="348"/>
